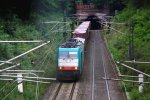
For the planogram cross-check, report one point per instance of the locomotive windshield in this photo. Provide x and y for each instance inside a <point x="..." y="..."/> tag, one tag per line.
<point x="67" y="55"/>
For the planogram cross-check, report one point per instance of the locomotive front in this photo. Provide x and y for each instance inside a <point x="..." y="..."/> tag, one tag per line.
<point x="68" y="64"/>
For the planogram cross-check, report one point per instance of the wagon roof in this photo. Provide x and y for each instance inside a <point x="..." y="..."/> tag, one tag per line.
<point x="82" y="28"/>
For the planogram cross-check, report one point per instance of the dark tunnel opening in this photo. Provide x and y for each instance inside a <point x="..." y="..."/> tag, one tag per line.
<point x="95" y="22"/>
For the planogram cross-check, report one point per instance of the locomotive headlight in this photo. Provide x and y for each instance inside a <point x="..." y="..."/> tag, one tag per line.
<point x="76" y="68"/>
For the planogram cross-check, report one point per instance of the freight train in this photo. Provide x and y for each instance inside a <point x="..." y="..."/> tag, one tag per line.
<point x="70" y="55"/>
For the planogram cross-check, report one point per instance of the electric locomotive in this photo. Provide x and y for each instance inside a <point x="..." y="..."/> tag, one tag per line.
<point x="70" y="61"/>
<point x="70" y="56"/>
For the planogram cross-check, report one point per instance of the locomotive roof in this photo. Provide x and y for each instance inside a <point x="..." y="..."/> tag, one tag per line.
<point x="82" y="28"/>
<point x="80" y="39"/>
<point x="73" y="43"/>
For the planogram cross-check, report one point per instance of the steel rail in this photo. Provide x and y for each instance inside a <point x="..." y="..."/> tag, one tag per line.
<point x="105" y="74"/>
<point x="107" y="53"/>
<point x="58" y="89"/>
<point x="106" y="82"/>
<point x="105" y="47"/>
<point x="93" y="71"/>
<point x="118" y="71"/>
<point x="72" y="91"/>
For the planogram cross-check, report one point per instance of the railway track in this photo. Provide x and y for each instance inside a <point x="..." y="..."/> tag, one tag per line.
<point x="106" y="81"/>
<point x="57" y="92"/>
<point x="114" y="91"/>
<point x="114" y="70"/>
<point x="61" y="91"/>
<point x="91" y="86"/>
<point x="93" y="71"/>
<point x="100" y="67"/>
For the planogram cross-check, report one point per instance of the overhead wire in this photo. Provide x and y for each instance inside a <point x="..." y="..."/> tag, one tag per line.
<point x="43" y="60"/>
<point x="9" y="93"/>
<point x="8" y="85"/>
<point x="50" y="48"/>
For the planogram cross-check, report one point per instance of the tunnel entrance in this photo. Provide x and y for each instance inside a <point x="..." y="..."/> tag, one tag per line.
<point x="95" y="22"/>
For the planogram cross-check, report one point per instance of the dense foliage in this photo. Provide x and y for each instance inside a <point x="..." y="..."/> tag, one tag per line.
<point x="27" y="24"/>
<point x="22" y="20"/>
<point x="119" y="43"/>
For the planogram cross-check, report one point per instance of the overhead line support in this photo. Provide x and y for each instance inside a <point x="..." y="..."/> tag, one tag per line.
<point x="133" y="69"/>
<point x="23" y="41"/>
<point x="25" y="53"/>
<point x="138" y="62"/>
<point x="9" y="67"/>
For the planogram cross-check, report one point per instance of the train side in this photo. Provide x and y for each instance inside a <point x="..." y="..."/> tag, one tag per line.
<point x="71" y="54"/>
<point x="82" y="30"/>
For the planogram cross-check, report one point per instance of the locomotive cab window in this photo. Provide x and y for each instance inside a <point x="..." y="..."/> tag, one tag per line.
<point x="68" y="55"/>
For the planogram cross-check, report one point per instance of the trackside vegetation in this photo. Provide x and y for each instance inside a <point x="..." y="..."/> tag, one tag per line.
<point x="14" y="26"/>
<point x="23" y="20"/>
<point x="119" y="44"/>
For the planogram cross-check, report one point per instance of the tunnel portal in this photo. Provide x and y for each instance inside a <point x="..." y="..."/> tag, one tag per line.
<point x="95" y="22"/>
